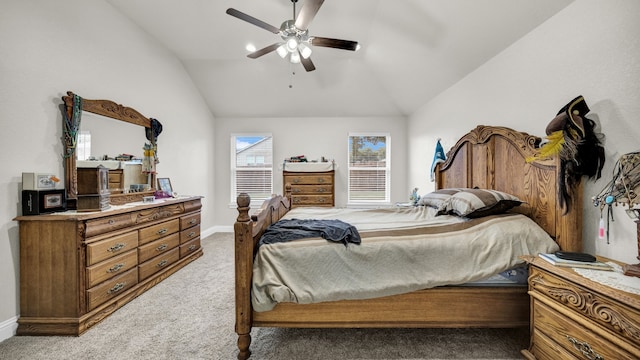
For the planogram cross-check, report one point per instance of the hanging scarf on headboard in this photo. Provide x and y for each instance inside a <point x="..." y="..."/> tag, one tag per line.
<point x="71" y="126"/>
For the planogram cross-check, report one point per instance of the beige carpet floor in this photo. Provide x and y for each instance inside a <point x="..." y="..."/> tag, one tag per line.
<point x="190" y="315"/>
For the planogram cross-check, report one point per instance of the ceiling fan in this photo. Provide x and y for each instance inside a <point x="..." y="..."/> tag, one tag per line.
<point x="295" y="35"/>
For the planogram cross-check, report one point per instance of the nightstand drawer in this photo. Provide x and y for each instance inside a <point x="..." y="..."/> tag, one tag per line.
<point x="581" y="341"/>
<point x="587" y="304"/>
<point x="545" y="348"/>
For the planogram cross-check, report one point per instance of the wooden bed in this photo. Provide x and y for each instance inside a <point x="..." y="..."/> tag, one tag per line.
<point x="486" y="157"/>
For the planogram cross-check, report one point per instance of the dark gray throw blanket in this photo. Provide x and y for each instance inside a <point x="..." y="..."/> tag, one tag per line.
<point x="287" y="230"/>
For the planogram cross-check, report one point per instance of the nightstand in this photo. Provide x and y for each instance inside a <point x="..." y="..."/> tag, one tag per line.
<point x="573" y="317"/>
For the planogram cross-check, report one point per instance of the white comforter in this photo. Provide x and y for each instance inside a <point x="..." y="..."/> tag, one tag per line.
<point x="403" y="249"/>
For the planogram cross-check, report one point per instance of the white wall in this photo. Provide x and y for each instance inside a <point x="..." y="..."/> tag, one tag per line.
<point x="590" y="48"/>
<point x="314" y="138"/>
<point x="50" y="47"/>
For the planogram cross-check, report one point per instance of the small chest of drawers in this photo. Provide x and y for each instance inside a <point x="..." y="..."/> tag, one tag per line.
<point x="310" y="188"/>
<point x="573" y="317"/>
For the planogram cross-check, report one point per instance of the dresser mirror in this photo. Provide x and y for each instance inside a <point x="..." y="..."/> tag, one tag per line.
<point x="126" y="135"/>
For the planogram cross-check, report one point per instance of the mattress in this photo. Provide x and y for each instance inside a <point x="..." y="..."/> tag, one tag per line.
<point x="402" y="249"/>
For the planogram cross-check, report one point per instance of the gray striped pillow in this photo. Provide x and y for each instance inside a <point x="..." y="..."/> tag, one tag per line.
<point x="438" y="199"/>
<point x="474" y="203"/>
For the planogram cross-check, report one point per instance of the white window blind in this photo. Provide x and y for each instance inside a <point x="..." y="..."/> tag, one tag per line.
<point x="369" y="168"/>
<point x="252" y="166"/>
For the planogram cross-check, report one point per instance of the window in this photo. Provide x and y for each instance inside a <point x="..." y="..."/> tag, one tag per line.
<point x="252" y="166"/>
<point x="83" y="146"/>
<point x="369" y="168"/>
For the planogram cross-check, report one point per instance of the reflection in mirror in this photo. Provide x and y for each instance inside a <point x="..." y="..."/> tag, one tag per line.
<point x="109" y="138"/>
<point x="92" y="122"/>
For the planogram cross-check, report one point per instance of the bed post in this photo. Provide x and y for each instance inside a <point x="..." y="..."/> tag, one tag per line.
<point x="243" y="229"/>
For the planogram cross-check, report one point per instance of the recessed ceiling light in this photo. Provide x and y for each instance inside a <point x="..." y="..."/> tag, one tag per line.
<point x="250" y="47"/>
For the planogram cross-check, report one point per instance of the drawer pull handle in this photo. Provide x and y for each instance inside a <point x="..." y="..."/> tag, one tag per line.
<point x="296" y="180"/>
<point x="321" y="190"/>
<point x="117" y="247"/>
<point x="162" y="263"/>
<point x="111" y="221"/>
<point x="320" y="180"/>
<point x="191" y="234"/>
<point x="115" y="268"/>
<point x="585" y="349"/>
<point x="162" y="231"/>
<point x="162" y="247"/>
<point x="117" y="287"/>
<point x="193" y="247"/>
<point x="192" y="221"/>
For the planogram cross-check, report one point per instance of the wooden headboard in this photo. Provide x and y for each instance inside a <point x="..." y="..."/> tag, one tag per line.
<point x="491" y="157"/>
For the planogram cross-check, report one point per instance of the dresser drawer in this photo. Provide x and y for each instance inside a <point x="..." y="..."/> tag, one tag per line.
<point x="312" y="189"/>
<point x="189" y="234"/>
<point x="157" y="231"/>
<point x="116" y="245"/>
<point x="111" y="288"/>
<point x="110" y="268"/>
<point x="577" y="339"/>
<point x="308" y="179"/>
<point x="313" y="200"/>
<point x="189" y="221"/>
<point x="192" y="205"/>
<point x="189" y="247"/>
<point x="157" y="247"/>
<point x="158" y="263"/>
<point x="106" y="224"/>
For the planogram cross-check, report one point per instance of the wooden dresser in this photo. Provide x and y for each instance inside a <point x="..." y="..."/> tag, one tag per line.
<point x="309" y="187"/>
<point x="78" y="268"/>
<point x="573" y="317"/>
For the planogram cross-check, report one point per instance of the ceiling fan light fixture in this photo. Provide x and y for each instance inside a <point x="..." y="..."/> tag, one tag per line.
<point x="292" y="44"/>
<point x="294" y="58"/>
<point x="282" y="51"/>
<point x="305" y="51"/>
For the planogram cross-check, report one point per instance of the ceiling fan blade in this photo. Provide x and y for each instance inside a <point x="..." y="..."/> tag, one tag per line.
<point x="334" y="43"/>
<point x="256" y="54"/>
<point x="307" y="13"/>
<point x="307" y="63"/>
<point x="250" y="19"/>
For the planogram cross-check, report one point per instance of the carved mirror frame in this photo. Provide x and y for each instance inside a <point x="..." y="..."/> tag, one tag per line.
<point x="111" y="110"/>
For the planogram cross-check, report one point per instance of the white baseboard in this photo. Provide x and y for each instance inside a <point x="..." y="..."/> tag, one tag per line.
<point x="8" y="328"/>
<point x="215" y="229"/>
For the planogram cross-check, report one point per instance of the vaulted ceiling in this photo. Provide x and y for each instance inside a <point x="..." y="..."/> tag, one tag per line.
<point x="411" y="50"/>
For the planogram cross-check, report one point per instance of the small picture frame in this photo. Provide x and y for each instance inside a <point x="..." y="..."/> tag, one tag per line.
<point x="164" y="185"/>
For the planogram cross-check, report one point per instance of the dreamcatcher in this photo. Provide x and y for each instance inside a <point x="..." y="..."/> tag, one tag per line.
<point x="623" y="189"/>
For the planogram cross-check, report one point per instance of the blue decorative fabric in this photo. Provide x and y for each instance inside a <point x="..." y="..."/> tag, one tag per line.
<point x="438" y="157"/>
<point x="293" y="229"/>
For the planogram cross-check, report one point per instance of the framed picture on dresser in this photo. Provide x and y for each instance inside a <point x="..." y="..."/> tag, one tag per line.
<point x="164" y="184"/>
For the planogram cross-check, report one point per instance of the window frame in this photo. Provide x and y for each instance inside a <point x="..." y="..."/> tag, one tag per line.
<point x="234" y="169"/>
<point x="386" y="168"/>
